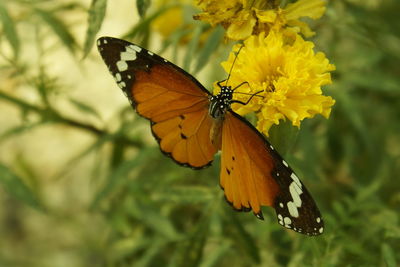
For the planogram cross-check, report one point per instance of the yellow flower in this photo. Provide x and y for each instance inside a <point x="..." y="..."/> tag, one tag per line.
<point x="169" y="21"/>
<point x="242" y="18"/>
<point x="289" y="77"/>
<point x="173" y="19"/>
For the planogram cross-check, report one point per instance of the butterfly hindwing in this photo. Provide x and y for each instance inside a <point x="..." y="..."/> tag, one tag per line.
<point x="253" y="175"/>
<point x="174" y="101"/>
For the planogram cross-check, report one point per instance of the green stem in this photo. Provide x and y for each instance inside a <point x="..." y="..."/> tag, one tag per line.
<point x="54" y="117"/>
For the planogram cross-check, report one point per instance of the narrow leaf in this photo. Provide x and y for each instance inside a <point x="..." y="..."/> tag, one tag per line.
<point x="388" y="255"/>
<point x="17" y="188"/>
<point x="119" y="173"/>
<point x="192" y="46"/>
<point x="143" y="25"/>
<point x="246" y="241"/>
<point x="20" y="129"/>
<point x="58" y="27"/>
<point x="97" y="12"/>
<point x="151" y="217"/>
<point x="84" y="108"/>
<point x="215" y="255"/>
<point x="209" y="48"/>
<point x="9" y="29"/>
<point x="283" y="136"/>
<point x="142" y="6"/>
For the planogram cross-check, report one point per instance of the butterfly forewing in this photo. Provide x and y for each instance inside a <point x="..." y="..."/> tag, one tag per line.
<point x="253" y="175"/>
<point x="174" y="102"/>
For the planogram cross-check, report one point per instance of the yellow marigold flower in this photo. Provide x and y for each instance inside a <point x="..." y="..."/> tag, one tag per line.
<point x="242" y="18"/>
<point x="290" y="77"/>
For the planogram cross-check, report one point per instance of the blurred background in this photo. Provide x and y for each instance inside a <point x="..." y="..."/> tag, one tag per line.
<point x="82" y="182"/>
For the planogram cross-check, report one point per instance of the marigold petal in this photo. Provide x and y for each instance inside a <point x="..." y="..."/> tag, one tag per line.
<point x="266" y="15"/>
<point x="242" y="28"/>
<point x="305" y="8"/>
<point x="301" y="27"/>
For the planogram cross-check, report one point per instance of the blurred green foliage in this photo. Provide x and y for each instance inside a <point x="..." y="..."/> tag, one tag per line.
<point x="136" y="207"/>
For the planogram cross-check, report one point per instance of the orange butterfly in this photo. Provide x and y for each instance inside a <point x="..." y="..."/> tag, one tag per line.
<point x="191" y="125"/>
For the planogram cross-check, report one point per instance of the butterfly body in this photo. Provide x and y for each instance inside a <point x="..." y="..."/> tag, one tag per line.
<point x="220" y="103"/>
<point x="191" y="125"/>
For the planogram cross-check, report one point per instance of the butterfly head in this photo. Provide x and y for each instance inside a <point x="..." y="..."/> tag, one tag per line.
<point x="221" y="102"/>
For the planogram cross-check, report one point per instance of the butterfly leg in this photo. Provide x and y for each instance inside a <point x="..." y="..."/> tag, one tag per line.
<point x="240" y="85"/>
<point x="245" y="103"/>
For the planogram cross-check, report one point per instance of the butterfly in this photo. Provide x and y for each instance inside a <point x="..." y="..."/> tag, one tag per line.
<point x="191" y="125"/>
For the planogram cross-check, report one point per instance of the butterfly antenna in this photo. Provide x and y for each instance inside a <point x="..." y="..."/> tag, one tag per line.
<point x="230" y="71"/>
<point x="237" y="54"/>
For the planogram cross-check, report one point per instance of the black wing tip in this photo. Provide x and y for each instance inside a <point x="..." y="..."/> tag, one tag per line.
<point x="259" y="215"/>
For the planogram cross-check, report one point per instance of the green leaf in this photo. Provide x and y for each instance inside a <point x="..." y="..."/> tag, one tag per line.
<point x="190" y="251"/>
<point x="97" y="12"/>
<point x="192" y="46"/>
<point x="121" y="172"/>
<point x="209" y="48"/>
<point x="144" y="24"/>
<point x="150" y="216"/>
<point x="21" y="104"/>
<point x="10" y="32"/>
<point x="142" y="6"/>
<point x="150" y="253"/>
<point x="243" y="238"/>
<point x="283" y="136"/>
<point x="17" y="188"/>
<point x="95" y="146"/>
<point x="58" y="27"/>
<point x="84" y="108"/>
<point x="186" y="194"/>
<point x="388" y="255"/>
<point x="20" y="129"/>
<point x="215" y="255"/>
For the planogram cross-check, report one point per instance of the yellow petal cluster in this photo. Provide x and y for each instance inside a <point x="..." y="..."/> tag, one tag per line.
<point x="242" y="18"/>
<point x="290" y="77"/>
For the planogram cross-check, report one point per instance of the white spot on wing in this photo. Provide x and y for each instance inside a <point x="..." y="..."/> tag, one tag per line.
<point x="122" y="65"/>
<point x="287" y="220"/>
<point x="296" y="179"/>
<point x="150" y="53"/>
<point x="294" y="192"/>
<point x="128" y="56"/>
<point x="121" y="85"/>
<point x="318" y="220"/>
<point x="292" y="209"/>
<point x="135" y="47"/>
<point x="280" y="219"/>
<point x="285" y="163"/>
<point x="118" y="77"/>
<point x="321" y="230"/>
<point x="281" y="205"/>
